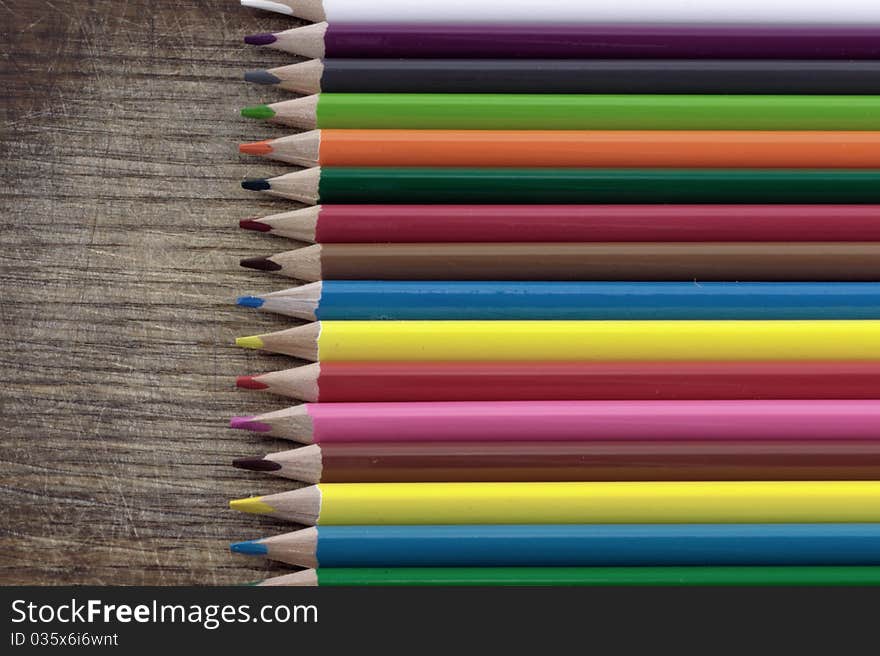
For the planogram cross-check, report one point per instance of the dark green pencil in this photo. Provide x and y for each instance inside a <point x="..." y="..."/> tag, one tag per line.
<point x="582" y="576"/>
<point x="344" y="185"/>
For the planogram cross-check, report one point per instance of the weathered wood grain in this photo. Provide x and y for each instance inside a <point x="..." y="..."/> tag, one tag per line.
<point x="120" y="249"/>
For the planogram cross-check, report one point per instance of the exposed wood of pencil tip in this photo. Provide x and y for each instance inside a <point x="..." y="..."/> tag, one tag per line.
<point x="303" y="464"/>
<point x="305" y="578"/>
<point x="293" y="423"/>
<point x="302" y="506"/>
<point x="298" y="113"/>
<point x="298" y="382"/>
<point x="302" y="77"/>
<point x="299" y="302"/>
<point x="310" y="10"/>
<point x="302" y="263"/>
<point x="301" y="185"/>
<point x="302" y="149"/>
<point x="305" y="41"/>
<point x="299" y="342"/>
<point x="298" y="548"/>
<point x="299" y="225"/>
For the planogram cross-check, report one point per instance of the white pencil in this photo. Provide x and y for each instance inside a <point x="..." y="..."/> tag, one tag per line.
<point x="803" y="12"/>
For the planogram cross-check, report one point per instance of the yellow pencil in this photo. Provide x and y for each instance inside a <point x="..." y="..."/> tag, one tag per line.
<point x="574" y="503"/>
<point x="575" y="340"/>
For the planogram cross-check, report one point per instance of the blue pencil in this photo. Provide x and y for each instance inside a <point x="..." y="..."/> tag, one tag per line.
<point x="589" y="545"/>
<point x="369" y="300"/>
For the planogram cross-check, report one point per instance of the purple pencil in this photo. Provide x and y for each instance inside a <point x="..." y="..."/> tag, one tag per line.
<point x="574" y="41"/>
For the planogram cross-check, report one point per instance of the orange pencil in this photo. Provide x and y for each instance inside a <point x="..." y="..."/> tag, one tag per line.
<point x="571" y="148"/>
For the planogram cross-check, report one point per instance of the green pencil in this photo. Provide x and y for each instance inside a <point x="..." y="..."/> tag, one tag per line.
<point x="477" y="185"/>
<point x="574" y="112"/>
<point x="580" y="576"/>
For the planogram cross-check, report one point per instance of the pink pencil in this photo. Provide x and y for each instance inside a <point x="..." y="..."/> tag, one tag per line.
<point x="571" y="420"/>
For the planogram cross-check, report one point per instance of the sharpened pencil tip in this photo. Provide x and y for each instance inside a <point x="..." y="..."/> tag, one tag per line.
<point x="268" y="5"/>
<point x="249" y="548"/>
<point x="251" y="342"/>
<point x="261" y="76"/>
<point x="260" y="264"/>
<point x="256" y="464"/>
<point x="254" y="505"/>
<point x="250" y="382"/>
<point x="261" y="39"/>
<point x="258" y="111"/>
<point x="253" y="224"/>
<point x="248" y="423"/>
<point x="249" y="301"/>
<point x="256" y="184"/>
<point x="256" y="148"/>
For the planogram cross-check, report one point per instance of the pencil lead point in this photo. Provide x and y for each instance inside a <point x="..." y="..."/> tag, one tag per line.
<point x="256" y="148"/>
<point x="256" y="464"/>
<point x="258" y="111"/>
<point x="261" y="76"/>
<point x="250" y="301"/>
<point x="254" y="505"/>
<point x="251" y="342"/>
<point x="253" y="224"/>
<point x="260" y="264"/>
<point x="261" y="39"/>
<point x="248" y="423"/>
<point x="249" y="548"/>
<point x="250" y="382"/>
<point x="256" y="184"/>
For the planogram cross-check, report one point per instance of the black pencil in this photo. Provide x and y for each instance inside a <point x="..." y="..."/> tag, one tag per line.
<point x="575" y="76"/>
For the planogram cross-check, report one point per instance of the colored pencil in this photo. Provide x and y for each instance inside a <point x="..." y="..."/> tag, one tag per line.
<point x="624" y="261"/>
<point x="486" y="111"/>
<point x="632" y="341"/>
<point x="582" y="576"/>
<point x="371" y="300"/>
<point x="598" y="40"/>
<point x="571" y="545"/>
<point x="571" y="185"/>
<point x="541" y="460"/>
<point x="664" y="502"/>
<point x="811" y="12"/>
<point x="574" y="148"/>
<point x="752" y="76"/>
<point x="335" y="382"/>
<point x="505" y="421"/>
<point x="550" y="223"/>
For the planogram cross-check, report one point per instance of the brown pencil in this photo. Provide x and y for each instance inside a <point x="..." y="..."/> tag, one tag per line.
<point x="618" y="460"/>
<point x="755" y="261"/>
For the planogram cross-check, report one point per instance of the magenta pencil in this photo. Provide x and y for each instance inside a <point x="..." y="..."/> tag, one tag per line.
<point x="572" y="420"/>
<point x="571" y="223"/>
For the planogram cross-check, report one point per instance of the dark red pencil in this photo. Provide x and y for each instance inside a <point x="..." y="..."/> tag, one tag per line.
<point x="539" y="381"/>
<point x="412" y="462"/>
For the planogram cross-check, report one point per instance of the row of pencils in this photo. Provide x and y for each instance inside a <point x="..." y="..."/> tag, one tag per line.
<point x="592" y="293"/>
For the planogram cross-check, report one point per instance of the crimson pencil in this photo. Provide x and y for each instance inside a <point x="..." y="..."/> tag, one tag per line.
<point x="652" y="460"/>
<point x="333" y="382"/>
<point x="571" y="223"/>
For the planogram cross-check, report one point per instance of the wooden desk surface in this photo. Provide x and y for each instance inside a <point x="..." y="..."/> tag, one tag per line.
<point x="120" y="267"/>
